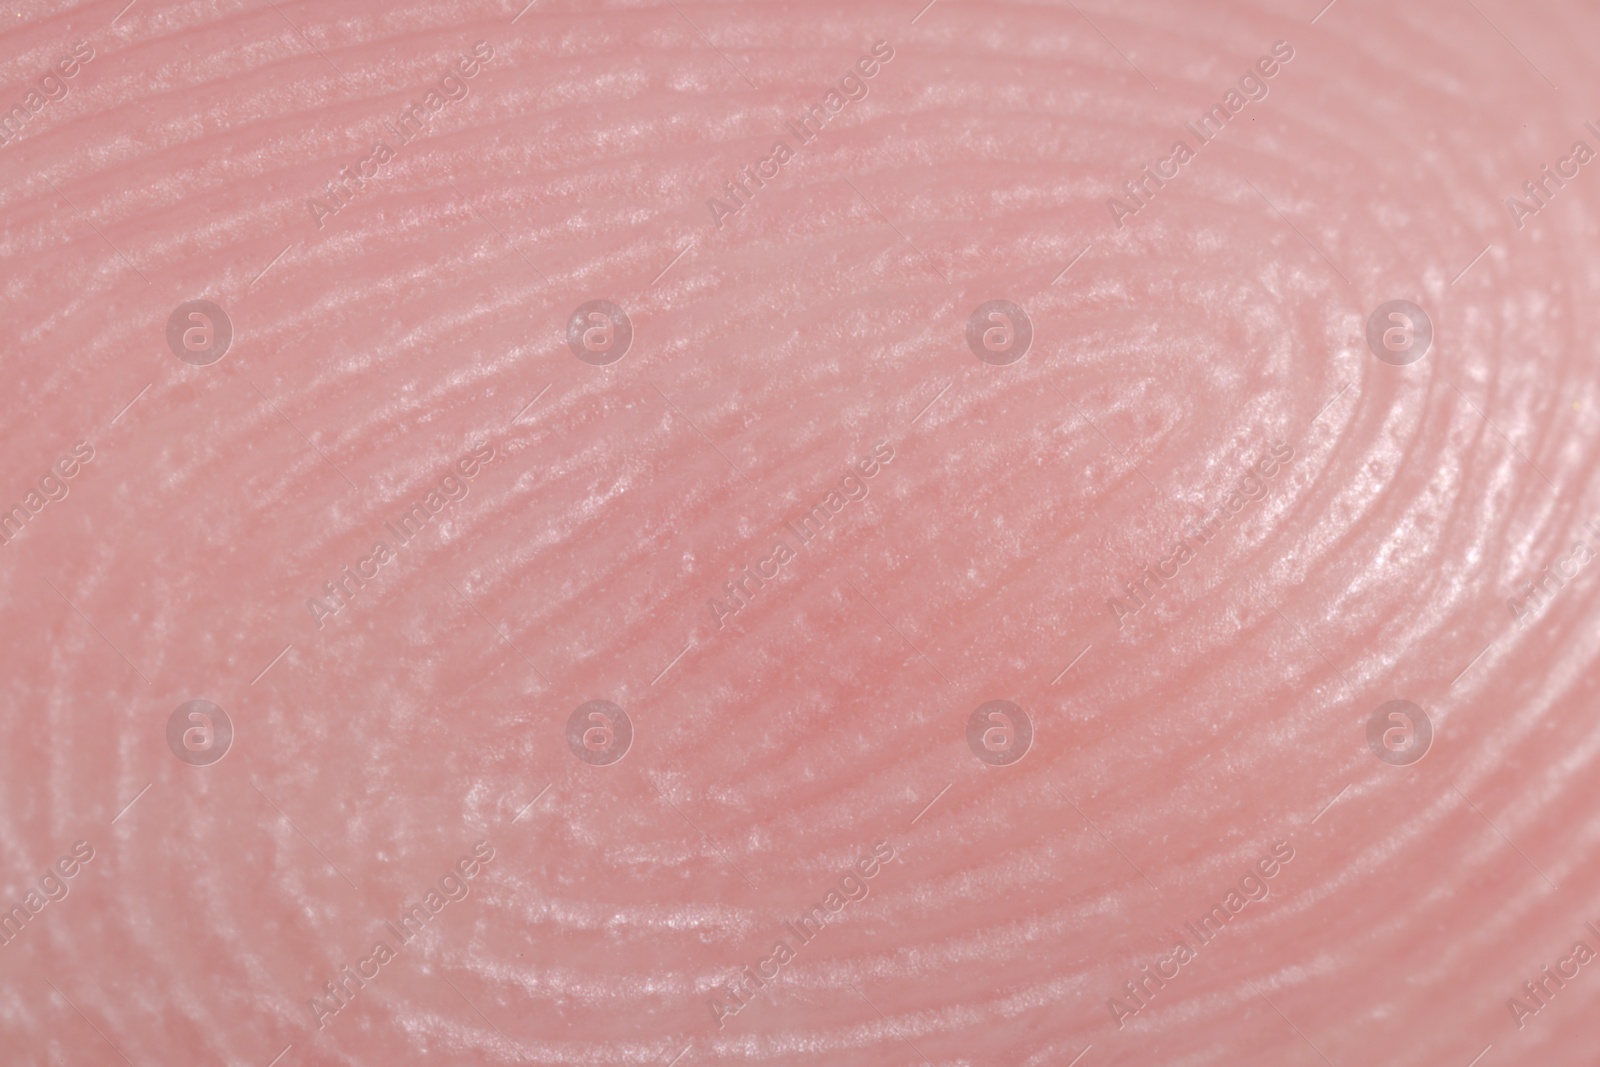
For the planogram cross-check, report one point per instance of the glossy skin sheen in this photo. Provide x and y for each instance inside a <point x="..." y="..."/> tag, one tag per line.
<point x="799" y="534"/>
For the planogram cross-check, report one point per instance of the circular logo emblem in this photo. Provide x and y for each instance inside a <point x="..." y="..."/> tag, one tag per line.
<point x="1399" y="733"/>
<point x="1399" y="333"/>
<point x="199" y="733"/>
<point x="199" y="333"/>
<point x="599" y="333"/>
<point x="999" y="333"/>
<point x="599" y="733"/>
<point x="999" y="733"/>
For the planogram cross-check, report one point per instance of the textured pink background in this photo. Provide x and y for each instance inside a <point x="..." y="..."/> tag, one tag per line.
<point x="377" y="347"/>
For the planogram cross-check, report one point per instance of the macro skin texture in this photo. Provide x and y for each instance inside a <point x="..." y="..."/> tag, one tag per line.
<point x="706" y="533"/>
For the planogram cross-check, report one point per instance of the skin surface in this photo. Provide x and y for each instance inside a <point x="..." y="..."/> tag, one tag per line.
<point x="795" y="525"/>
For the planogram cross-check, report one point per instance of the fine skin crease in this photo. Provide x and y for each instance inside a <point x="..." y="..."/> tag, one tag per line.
<point x="1199" y="532"/>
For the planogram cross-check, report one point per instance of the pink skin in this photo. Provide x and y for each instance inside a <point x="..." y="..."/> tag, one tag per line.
<point x="1198" y="533"/>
